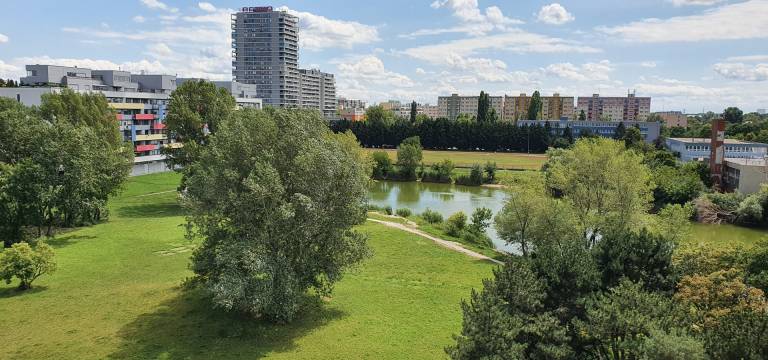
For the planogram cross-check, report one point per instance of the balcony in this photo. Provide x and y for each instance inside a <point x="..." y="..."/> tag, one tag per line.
<point x="158" y="126"/>
<point x="143" y="148"/>
<point x="151" y="137"/>
<point x="144" y="116"/>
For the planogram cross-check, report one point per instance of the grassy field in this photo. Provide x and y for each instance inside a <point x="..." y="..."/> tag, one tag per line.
<point x="509" y="161"/>
<point x="116" y="295"/>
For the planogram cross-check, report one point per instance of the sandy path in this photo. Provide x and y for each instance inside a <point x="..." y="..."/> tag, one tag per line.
<point x="444" y="243"/>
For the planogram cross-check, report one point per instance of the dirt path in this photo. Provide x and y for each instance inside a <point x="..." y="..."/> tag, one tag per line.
<point x="444" y="243"/>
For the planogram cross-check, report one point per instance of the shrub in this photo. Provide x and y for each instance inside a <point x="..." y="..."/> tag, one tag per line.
<point x="490" y="172"/>
<point x="25" y="263"/>
<point x="388" y="210"/>
<point x="456" y="223"/>
<point x="404" y="212"/>
<point x="476" y="175"/>
<point x="432" y="217"/>
<point x="382" y="165"/>
<point x="476" y="238"/>
<point x="481" y="219"/>
<point x="440" y="172"/>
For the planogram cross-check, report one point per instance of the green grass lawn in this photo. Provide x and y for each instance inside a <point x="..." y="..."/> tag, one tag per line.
<point x="116" y="295"/>
<point x="509" y="161"/>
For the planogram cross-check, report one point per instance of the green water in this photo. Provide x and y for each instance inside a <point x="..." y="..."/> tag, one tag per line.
<point x="726" y="235"/>
<point x="449" y="199"/>
<point x="446" y="199"/>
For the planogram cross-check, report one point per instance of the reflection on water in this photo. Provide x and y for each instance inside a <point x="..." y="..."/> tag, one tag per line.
<point x="446" y="199"/>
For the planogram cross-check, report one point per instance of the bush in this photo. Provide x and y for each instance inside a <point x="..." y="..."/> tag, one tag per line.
<point x="476" y="238"/>
<point x="476" y="175"/>
<point x="388" y="210"/>
<point x="432" y="217"/>
<point x="382" y="165"/>
<point x="490" y="172"/>
<point x="404" y="212"/>
<point x="25" y="263"/>
<point x="439" y="173"/>
<point x="481" y="219"/>
<point x="456" y="223"/>
<point x="372" y="207"/>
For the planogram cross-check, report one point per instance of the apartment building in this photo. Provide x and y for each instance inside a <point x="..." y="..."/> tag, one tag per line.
<point x="431" y="111"/>
<point x="553" y="107"/>
<point x="673" y="118"/>
<point x="629" y="108"/>
<point x="453" y="106"/>
<point x="344" y="103"/>
<point x="266" y="54"/>
<point x="140" y="101"/>
<point x="265" y="50"/>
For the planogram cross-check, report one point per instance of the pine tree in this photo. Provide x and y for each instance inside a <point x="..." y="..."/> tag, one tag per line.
<point x="582" y="115"/>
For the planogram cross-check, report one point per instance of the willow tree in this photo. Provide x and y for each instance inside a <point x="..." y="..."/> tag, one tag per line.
<point x="274" y="196"/>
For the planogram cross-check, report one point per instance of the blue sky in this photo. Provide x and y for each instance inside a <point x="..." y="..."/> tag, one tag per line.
<point x="688" y="55"/>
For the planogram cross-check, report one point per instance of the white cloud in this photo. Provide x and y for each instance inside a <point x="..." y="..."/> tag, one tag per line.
<point x="554" y="14"/>
<point x="727" y="22"/>
<point x="139" y="19"/>
<point x="484" y="69"/>
<point x="9" y="71"/>
<point x="741" y="71"/>
<point x="156" y="4"/>
<point x="472" y="20"/>
<point x="319" y="32"/>
<point x="748" y="58"/>
<point x="599" y="71"/>
<point x="3" y="38"/>
<point x="370" y="69"/>
<point x="514" y="41"/>
<point x="420" y="71"/>
<point x="694" y="2"/>
<point x="159" y="50"/>
<point x="206" y="6"/>
<point x="648" y="64"/>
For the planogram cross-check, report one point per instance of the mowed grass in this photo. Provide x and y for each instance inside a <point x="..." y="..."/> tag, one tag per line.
<point x="509" y="161"/>
<point x="117" y="295"/>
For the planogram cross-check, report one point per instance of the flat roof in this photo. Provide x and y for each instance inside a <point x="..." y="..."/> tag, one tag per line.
<point x="708" y="140"/>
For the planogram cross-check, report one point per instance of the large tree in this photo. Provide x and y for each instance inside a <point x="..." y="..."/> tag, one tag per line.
<point x="483" y="107"/>
<point x="409" y="154"/>
<point x="274" y="196"/>
<point x="414" y="111"/>
<point x="733" y="115"/>
<point x="196" y="110"/>
<point x="534" y="109"/>
<point x="608" y="185"/>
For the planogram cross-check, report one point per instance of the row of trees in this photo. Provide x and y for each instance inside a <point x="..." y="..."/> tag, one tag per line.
<point x="10" y="83"/>
<point x="598" y="277"/>
<point x="59" y="163"/>
<point x="383" y="131"/>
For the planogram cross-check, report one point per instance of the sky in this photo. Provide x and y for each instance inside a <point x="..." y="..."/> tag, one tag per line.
<point x="689" y="55"/>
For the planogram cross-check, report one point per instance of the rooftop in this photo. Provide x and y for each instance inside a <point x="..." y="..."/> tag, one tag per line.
<point x="747" y="162"/>
<point x="708" y="140"/>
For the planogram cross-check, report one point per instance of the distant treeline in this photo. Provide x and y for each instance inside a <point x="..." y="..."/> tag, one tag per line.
<point x="442" y="134"/>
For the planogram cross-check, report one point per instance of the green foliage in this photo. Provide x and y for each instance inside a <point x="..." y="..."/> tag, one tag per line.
<point x="475" y="177"/>
<point x="274" y="196"/>
<point x="414" y="111"/>
<point x="757" y="267"/>
<point x="582" y="115"/>
<point x="484" y="107"/>
<point x="456" y="223"/>
<point x="481" y="219"/>
<point x="620" y="131"/>
<point x="409" y="155"/>
<point x="379" y="118"/>
<point x="641" y="257"/>
<point x="404" y="212"/>
<point x="676" y="185"/>
<point x="26" y="264"/>
<point x="733" y="115"/>
<point x="440" y="172"/>
<point x="382" y="165"/>
<point x="490" y="172"/>
<point x="196" y="110"/>
<point x="739" y="335"/>
<point x="620" y="322"/>
<point x="388" y="210"/>
<point x="633" y="138"/>
<point x="534" y="108"/>
<point x="432" y="217"/>
<point x="89" y="110"/>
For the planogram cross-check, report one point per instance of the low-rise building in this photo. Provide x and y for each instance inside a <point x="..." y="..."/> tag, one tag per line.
<point x="352" y="114"/>
<point x="699" y="149"/>
<point x="746" y="176"/>
<point x="673" y="118"/>
<point x="649" y="130"/>
<point x="344" y="103"/>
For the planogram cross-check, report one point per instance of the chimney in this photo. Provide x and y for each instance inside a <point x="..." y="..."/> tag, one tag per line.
<point x="717" y="153"/>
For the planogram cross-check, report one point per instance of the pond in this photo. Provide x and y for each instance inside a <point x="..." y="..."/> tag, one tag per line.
<point x="448" y="199"/>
